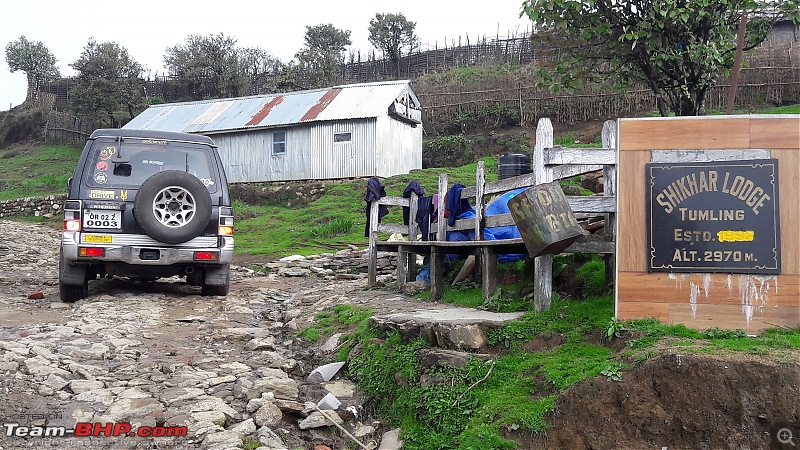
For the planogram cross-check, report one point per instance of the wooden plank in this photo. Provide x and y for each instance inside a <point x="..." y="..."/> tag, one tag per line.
<point x="543" y="265"/>
<point x="488" y="271"/>
<point x="463" y="224"/>
<point x="628" y="311"/>
<point x="789" y="209"/>
<point x="392" y="228"/>
<point x="631" y="250"/>
<point x="592" y="204"/>
<point x="684" y="133"/>
<point x="561" y="172"/>
<point x="372" y="250"/>
<point x="413" y="227"/>
<point x="775" y="132"/>
<point x="677" y="156"/>
<point x="520" y="181"/>
<point x="441" y="224"/>
<point x="565" y="155"/>
<point x="480" y="180"/>
<point x="741" y="290"/>
<point x="402" y="268"/>
<point x="393" y="201"/>
<point x="609" y="139"/>
<point x="730" y="317"/>
<point x="437" y="274"/>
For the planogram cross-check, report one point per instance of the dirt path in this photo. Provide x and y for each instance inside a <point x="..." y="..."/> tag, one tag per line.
<point x="155" y="354"/>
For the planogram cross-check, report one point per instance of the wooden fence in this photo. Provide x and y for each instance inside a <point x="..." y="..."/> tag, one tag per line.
<point x="65" y="128"/>
<point x="549" y="164"/>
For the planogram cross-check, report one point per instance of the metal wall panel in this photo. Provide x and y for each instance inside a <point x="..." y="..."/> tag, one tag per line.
<point x="401" y="147"/>
<point x="310" y="153"/>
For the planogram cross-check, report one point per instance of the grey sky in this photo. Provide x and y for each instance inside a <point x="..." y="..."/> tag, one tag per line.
<point x="147" y="27"/>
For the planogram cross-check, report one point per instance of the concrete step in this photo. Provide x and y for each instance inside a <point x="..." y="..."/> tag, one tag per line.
<point x="449" y="327"/>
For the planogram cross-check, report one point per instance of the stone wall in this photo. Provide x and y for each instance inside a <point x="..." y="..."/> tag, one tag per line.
<point x="33" y="206"/>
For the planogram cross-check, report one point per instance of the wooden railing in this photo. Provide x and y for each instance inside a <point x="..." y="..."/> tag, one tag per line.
<point x="550" y="163"/>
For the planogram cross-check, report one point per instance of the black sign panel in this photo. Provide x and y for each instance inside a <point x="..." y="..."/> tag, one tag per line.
<point x="713" y="217"/>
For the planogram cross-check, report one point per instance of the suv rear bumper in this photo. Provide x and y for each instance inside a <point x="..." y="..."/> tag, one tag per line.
<point x="127" y="248"/>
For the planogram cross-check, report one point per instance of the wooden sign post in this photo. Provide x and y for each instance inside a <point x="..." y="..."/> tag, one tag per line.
<point x="708" y="214"/>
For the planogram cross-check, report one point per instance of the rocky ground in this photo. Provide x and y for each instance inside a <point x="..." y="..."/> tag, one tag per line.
<point x="229" y="369"/>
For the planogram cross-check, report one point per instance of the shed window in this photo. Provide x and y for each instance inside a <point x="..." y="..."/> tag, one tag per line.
<point x="279" y="142"/>
<point x="342" y="137"/>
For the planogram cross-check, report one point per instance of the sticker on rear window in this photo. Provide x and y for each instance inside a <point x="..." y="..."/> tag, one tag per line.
<point x="107" y="152"/>
<point x="105" y="195"/>
<point x="102" y="166"/>
<point x="100" y="178"/>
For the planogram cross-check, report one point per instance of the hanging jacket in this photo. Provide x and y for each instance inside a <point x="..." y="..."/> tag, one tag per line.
<point x="375" y="191"/>
<point x="456" y="205"/>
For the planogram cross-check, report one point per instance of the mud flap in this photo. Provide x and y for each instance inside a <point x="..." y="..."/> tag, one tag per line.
<point x="74" y="274"/>
<point x="217" y="275"/>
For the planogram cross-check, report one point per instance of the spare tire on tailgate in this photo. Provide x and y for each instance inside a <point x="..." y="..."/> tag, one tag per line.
<point x="172" y="207"/>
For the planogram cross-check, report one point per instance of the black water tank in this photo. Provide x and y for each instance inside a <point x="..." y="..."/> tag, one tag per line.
<point x="511" y="165"/>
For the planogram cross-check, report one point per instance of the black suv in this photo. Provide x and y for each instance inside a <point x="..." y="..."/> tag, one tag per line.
<point x="144" y="205"/>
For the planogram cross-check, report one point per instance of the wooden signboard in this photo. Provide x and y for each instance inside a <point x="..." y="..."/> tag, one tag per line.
<point x="697" y="249"/>
<point x="716" y="217"/>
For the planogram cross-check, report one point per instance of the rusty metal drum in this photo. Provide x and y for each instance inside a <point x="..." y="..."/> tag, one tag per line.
<point x="544" y="219"/>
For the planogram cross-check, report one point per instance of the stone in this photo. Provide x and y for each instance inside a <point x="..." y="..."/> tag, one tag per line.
<point x="81" y="386"/>
<point x="129" y="408"/>
<point x="458" y="336"/>
<point x="293" y="272"/>
<point x="272" y="441"/>
<point x="234" y="368"/>
<point x="211" y="403"/>
<point x="277" y="382"/>
<point x="266" y="343"/>
<point x="363" y="430"/>
<point x="222" y="440"/>
<point x="415" y="287"/>
<point x="41" y="366"/>
<point x="341" y="388"/>
<point x="55" y="382"/>
<point x="391" y="440"/>
<point x="289" y="405"/>
<point x="268" y="415"/>
<point x="220" y="380"/>
<point x="170" y="396"/>
<point x="45" y="391"/>
<point x="35" y="295"/>
<point x="98" y="396"/>
<point x="438" y="357"/>
<point x="331" y="344"/>
<point x="245" y="428"/>
<point x="325" y="373"/>
<point x="317" y="419"/>
<point x="209" y="416"/>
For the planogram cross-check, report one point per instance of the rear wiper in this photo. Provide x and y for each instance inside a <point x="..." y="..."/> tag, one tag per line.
<point x="117" y="158"/>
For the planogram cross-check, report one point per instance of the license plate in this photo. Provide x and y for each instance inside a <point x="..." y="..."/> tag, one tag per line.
<point x="102" y="219"/>
<point x="97" y="238"/>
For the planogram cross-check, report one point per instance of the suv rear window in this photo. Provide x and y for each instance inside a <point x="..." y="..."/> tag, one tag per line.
<point x="131" y="161"/>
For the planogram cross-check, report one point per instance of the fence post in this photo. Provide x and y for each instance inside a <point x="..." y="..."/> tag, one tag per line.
<point x="372" y="270"/>
<point x="437" y="257"/>
<point x="543" y="265"/>
<point x="609" y="136"/>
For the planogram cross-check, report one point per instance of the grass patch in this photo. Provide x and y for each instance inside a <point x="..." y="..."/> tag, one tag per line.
<point x="340" y="318"/>
<point x="32" y="172"/>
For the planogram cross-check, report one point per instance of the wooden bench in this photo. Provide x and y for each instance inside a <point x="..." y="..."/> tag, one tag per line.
<point x="549" y="164"/>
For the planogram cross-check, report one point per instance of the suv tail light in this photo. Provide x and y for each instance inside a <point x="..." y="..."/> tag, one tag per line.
<point x="72" y="215"/>
<point x="91" y="251"/>
<point x="225" y="227"/>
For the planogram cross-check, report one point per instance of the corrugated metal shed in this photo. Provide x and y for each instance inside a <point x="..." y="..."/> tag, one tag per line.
<point x="355" y="101"/>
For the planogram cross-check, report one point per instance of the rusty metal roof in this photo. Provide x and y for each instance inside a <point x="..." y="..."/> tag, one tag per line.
<point x="352" y="101"/>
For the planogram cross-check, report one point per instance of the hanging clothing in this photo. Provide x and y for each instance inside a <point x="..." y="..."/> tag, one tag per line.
<point x="375" y="191"/>
<point x="413" y="187"/>
<point x="456" y="205"/>
<point x="424" y="208"/>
